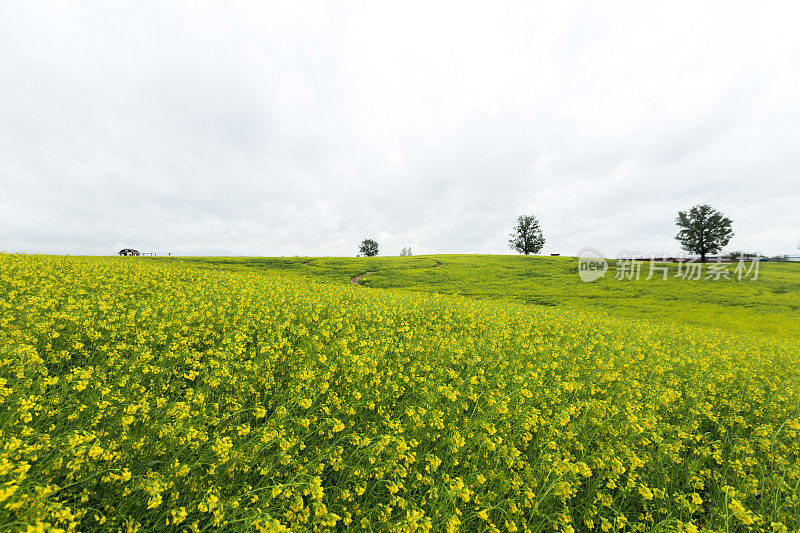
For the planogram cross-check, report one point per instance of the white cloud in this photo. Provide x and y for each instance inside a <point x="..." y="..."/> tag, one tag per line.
<point x="305" y="127"/>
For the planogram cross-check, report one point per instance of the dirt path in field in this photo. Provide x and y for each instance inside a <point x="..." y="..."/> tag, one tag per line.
<point x="354" y="280"/>
<point x="357" y="280"/>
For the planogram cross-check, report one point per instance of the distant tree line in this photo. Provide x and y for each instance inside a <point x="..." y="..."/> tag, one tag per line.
<point x="702" y="230"/>
<point x="369" y="248"/>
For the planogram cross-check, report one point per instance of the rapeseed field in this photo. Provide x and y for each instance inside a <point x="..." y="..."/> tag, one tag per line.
<point x="173" y="396"/>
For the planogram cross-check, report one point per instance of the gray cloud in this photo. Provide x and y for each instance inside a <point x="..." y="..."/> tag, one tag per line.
<point x="302" y="128"/>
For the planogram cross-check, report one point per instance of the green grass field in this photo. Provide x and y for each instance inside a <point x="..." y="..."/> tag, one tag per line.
<point x="768" y="306"/>
<point x="450" y="393"/>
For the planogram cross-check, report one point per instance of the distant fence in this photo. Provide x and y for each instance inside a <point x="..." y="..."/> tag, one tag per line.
<point x="714" y="259"/>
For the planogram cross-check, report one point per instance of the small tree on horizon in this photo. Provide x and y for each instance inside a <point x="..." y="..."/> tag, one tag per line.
<point x="368" y="248"/>
<point x="703" y="230"/>
<point x="405" y="252"/>
<point x="527" y="237"/>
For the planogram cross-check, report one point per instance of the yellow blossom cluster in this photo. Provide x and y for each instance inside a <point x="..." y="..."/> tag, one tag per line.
<point x="158" y="396"/>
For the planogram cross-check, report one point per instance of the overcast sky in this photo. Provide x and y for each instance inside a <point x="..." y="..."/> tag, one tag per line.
<point x="290" y="128"/>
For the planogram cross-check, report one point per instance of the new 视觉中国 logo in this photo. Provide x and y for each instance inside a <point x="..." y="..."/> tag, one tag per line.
<point x="591" y="265"/>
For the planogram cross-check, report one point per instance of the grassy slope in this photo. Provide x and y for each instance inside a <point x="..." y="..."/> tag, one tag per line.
<point x="768" y="306"/>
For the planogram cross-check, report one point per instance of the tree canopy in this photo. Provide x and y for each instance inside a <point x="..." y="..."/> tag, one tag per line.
<point x="368" y="248"/>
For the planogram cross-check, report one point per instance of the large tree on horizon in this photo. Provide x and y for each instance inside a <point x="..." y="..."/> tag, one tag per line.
<point x="703" y="230"/>
<point x="527" y="237"/>
<point x="368" y="248"/>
